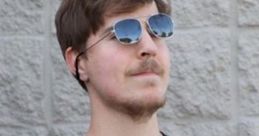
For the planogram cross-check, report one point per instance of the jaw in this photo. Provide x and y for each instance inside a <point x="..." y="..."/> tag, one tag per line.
<point x="138" y="107"/>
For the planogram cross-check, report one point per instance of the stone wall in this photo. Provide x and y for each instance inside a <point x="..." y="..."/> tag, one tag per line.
<point x="214" y="89"/>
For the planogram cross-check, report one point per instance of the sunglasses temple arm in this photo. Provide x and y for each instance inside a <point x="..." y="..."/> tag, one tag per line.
<point x="77" y="73"/>
<point x="76" y="66"/>
<point x="97" y="41"/>
<point x="77" y="57"/>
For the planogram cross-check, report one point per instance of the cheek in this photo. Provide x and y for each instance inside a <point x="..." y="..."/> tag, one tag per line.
<point x="168" y="59"/>
<point x="165" y="56"/>
<point x="108" y="68"/>
<point x="102" y="69"/>
<point x="165" y="61"/>
<point x="101" y="76"/>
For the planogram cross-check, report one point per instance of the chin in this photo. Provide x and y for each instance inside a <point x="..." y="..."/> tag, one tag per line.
<point x="145" y="108"/>
<point x="144" y="105"/>
<point x="138" y="102"/>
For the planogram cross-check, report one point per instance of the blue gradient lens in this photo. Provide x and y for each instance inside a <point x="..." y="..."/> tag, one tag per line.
<point x="161" y="25"/>
<point x="128" y="31"/>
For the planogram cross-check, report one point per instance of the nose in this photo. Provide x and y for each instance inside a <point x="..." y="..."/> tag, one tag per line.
<point x="147" y="46"/>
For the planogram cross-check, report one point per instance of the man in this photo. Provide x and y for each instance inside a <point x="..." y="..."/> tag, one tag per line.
<point x="116" y="50"/>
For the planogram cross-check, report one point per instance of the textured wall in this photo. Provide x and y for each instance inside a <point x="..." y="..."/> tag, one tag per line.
<point x="214" y="88"/>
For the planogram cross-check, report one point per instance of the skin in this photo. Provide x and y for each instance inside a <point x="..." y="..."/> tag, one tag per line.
<point x="126" y="84"/>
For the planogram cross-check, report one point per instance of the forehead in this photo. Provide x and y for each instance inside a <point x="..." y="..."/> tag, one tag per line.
<point x="144" y="11"/>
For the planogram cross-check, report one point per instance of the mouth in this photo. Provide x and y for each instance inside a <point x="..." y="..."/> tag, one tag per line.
<point x="145" y="73"/>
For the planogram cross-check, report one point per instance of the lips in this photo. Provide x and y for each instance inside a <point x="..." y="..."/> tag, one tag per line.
<point x="145" y="73"/>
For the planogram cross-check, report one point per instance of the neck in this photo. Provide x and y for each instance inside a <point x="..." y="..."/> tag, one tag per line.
<point x="109" y="122"/>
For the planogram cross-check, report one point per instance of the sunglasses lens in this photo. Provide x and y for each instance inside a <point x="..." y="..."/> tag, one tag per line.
<point x="128" y="31"/>
<point x="161" y="25"/>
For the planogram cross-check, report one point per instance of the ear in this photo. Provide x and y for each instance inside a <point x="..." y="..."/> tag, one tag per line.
<point x="70" y="56"/>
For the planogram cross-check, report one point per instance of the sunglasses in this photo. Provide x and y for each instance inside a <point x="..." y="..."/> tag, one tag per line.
<point x="129" y="31"/>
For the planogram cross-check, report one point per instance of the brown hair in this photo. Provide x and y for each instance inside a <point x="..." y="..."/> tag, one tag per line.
<point x="76" y="20"/>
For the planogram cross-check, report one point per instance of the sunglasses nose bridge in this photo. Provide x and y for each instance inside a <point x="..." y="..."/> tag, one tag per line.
<point x="144" y="27"/>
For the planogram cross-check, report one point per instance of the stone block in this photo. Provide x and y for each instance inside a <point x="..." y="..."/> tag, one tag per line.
<point x="69" y="130"/>
<point x="249" y="127"/>
<point x="200" y="13"/>
<point x="21" y="80"/>
<point x="200" y="75"/>
<point x="248" y="13"/>
<point x="20" y="17"/>
<point x="207" y="129"/>
<point x="23" y="132"/>
<point x="19" y="7"/>
<point x="168" y="127"/>
<point x="248" y="66"/>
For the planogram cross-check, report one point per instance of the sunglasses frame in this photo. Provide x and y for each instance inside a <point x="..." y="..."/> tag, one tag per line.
<point x="111" y="32"/>
<point x="112" y="29"/>
<point x="149" y="26"/>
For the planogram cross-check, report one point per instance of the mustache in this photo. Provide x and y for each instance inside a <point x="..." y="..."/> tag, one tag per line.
<point x="148" y="65"/>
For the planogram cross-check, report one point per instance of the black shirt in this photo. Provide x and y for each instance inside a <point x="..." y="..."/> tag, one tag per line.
<point x="163" y="134"/>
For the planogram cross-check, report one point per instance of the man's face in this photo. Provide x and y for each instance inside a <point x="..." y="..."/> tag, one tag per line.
<point x="128" y="78"/>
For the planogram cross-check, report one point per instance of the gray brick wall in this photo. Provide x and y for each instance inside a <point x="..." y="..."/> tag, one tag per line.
<point x="214" y="89"/>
